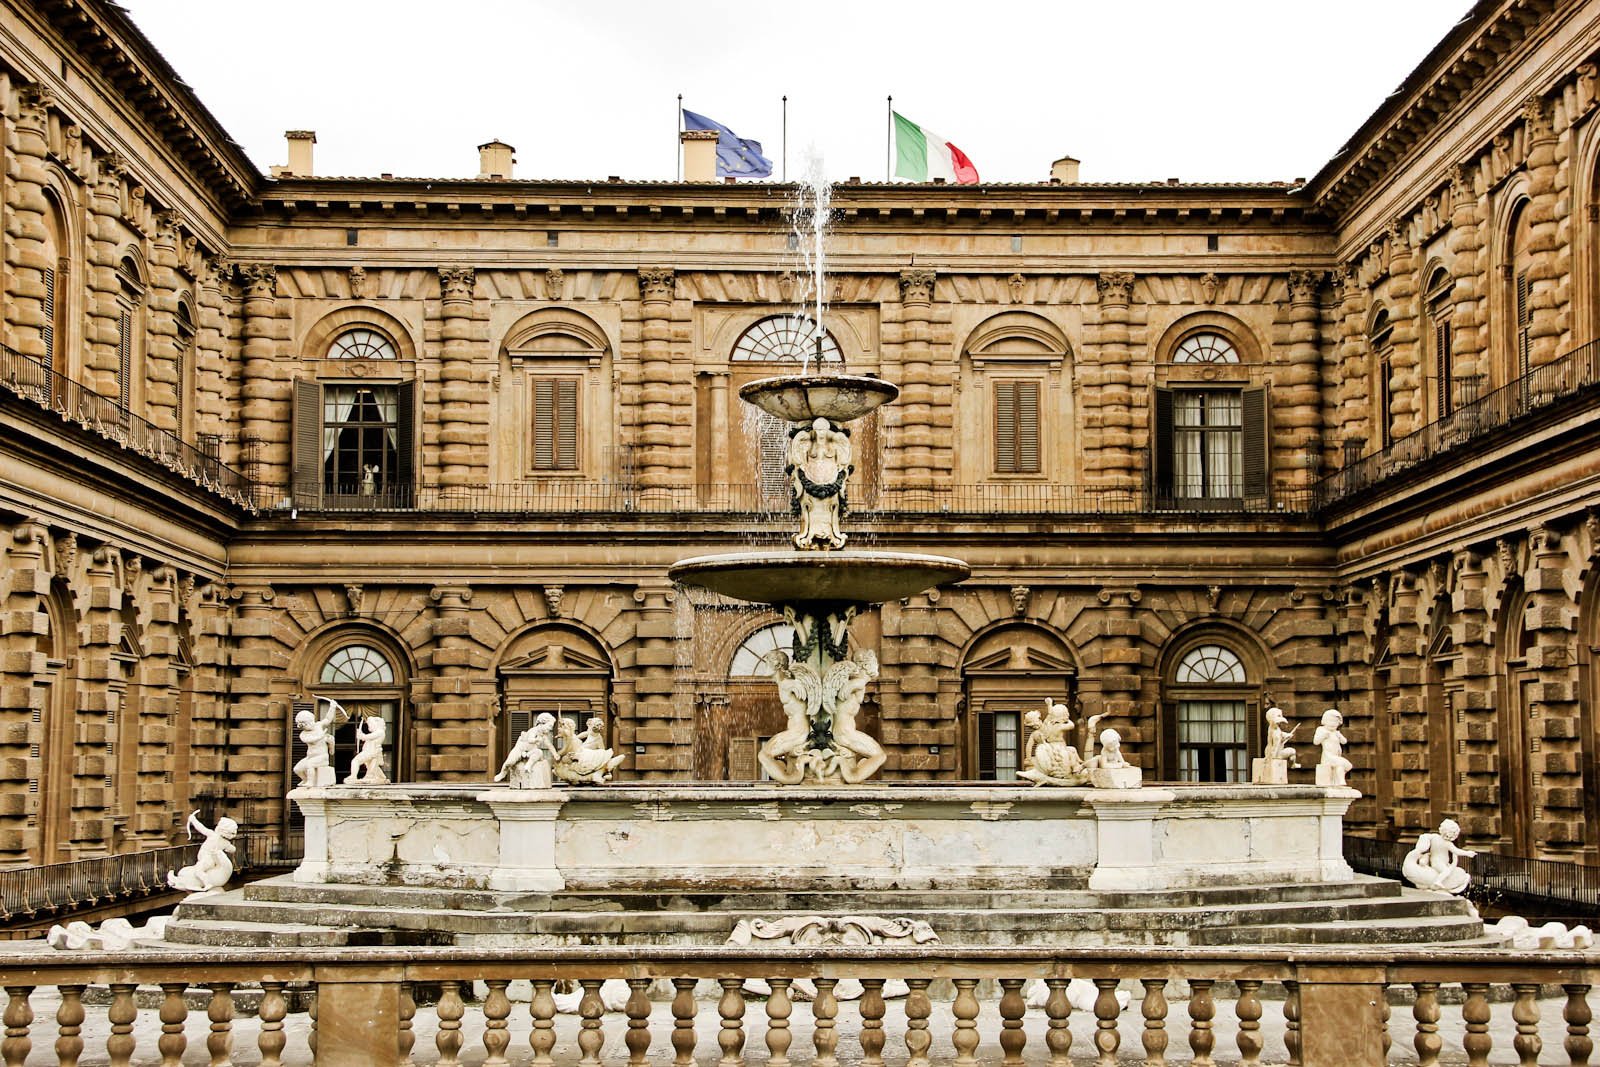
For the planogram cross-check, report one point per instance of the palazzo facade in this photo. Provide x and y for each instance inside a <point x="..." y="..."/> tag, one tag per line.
<point x="429" y="446"/>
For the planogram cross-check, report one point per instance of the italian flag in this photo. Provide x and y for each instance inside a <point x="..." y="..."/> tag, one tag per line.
<point x="922" y="155"/>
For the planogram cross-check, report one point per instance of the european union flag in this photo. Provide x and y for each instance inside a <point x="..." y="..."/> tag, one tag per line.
<point x="737" y="157"/>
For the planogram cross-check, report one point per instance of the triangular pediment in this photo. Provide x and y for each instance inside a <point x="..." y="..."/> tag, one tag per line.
<point x="556" y="659"/>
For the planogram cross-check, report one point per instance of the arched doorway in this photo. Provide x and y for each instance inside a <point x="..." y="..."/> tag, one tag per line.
<point x="1210" y="715"/>
<point x="367" y="677"/>
<point x="557" y="669"/>
<point x="1006" y="673"/>
<point x="52" y="730"/>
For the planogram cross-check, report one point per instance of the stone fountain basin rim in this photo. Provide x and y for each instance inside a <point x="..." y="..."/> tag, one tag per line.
<point x="801" y="577"/>
<point x="803" y="397"/>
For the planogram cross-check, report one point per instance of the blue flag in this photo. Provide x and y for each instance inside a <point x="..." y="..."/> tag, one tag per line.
<point x="737" y="157"/>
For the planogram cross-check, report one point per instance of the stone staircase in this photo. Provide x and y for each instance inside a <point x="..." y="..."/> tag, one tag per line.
<point x="280" y="912"/>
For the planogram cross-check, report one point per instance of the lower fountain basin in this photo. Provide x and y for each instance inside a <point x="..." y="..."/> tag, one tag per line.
<point x="803" y="397"/>
<point x="799" y="577"/>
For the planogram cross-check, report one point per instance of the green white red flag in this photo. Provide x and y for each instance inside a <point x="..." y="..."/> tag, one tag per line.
<point x="922" y="155"/>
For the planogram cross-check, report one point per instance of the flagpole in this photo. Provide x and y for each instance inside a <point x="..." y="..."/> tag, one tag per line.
<point x="677" y="139"/>
<point x="785" y="173"/>
<point x="888" y="137"/>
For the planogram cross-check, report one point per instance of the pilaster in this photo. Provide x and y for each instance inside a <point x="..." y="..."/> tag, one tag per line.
<point x="665" y="725"/>
<point x="1466" y="317"/>
<point x="916" y="442"/>
<point x="663" y="438"/>
<point x="1108" y="392"/>
<point x="1473" y="636"/>
<point x="1297" y="414"/>
<point x="105" y="231"/>
<point x="1405" y="369"/>
<point x="1553" y="727"/>
<point x="25" y="645"/>
<point x="25" y="225"/>
<point x="463" y="406"/>
<point x="264" y="411"/>
<point x="163" y="376"/>
<point x="457" y="741"/>
<point x="1355" y="421"/>
<point x="1544" y="331"/>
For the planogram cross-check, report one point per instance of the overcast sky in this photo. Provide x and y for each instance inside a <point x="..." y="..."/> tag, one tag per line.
<point x="1139" y="90"/>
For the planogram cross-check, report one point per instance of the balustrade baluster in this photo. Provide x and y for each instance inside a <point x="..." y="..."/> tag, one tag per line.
<point x="1525" y="1013"/>
<point x="638" y="1009"/>
<point x="1154" y="1010"/>
<point x="1058" y="1009"/>
<point x="496" y="1012"/>
<point x="543" y="1009"/>
<point x="1426" y="1012"/>
<point x="1291" y="1022"/>
<point x="1012" y="1008"/>
<point x="172" y="1043"/>
<point x="406" y="1038"/>
<point x="1475" y="1013"/>
<point x="1106" y="1009"/>
<point x="120" y="1014"/>
<point x="824" y="1013"/>
<point x="69" y="1025"/>
<point x="965" y="1038"/>
<point x="1248" y="1009"/>
<point x="18" y="1017"/>
<point x="683" y="1022"/>
<point x="1202" y="1009"/>
<point x="731" y="1007"/>
<point x="590" y="1009"/>
<point x="271" y="1012"/>
<point x="872" y="1009"/>
<point x="918" y="1008"/>
<point x="779" y="1008"/>
<point x="450" y="1010"/>
<point x="219" y="1010"/>
<point x="1579" y="1046"/>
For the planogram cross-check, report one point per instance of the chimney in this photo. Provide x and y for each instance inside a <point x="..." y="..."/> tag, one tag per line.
<point x="699" y="155"/>
<point x="300" y="142"/>
<point x="495" y="160"/>
<point x="1064" y="171"/>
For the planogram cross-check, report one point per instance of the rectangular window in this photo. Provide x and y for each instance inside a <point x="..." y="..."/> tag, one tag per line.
<point x="1212" y="741"/>
<point x="360" y="439"/>
<point x="1207" y="445"/>
<point x="555" y="424"/>
<point x="999" y="745"/>
<point x="1016" y="427"/>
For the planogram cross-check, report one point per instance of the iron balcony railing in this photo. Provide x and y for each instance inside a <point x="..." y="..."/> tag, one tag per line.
<point x="103" y="415"/>
<point x="1575" y="374"/>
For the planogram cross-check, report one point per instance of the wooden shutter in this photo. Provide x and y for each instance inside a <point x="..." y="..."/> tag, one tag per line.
<point x="125" y="358"/>
<point x="1027" y="427"/>
<point x="1161" y="446"/>
<point x="1524" y="320"/>
<point x="49" y="332"/>
<point x="567" y="424"/>
<point x="1016" y="427"/>
<point x="1005" y="428"/>
<point x="178" y="390"/>
<point x="986" y="753"/>
<point x="403" y="488"/>
<point x="1442" y="364"/>
<point x="1253" y="412"/>
<point x="307" y="488"/>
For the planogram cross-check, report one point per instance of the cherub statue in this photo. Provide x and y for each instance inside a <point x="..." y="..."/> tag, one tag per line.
<point x="1432" y="863"/>
<point x="583" y="757"/>
<point x="315" y="769"/>
<point x="1332" y="743"/>
<point x="369" y="480"/>
<point x="527" y="765"/>
<point x="367" y="766"/>
<point x="1277" y="737"/>
<point x="843" y="689"/>
<point x="1110" y="752"/>
<point x="1050" y="758"/>
<point x="214" y="865"/>
<point x="800" y="693"/>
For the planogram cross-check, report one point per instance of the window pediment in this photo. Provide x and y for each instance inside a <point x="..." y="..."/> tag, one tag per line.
<point x="556" y="659"/>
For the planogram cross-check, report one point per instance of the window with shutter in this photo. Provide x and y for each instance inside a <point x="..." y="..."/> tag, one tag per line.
<point x="307" y="487"/>
<point x="1443" y="366"/>
<point x="999" y="745"/>
<point x="1524" y="312"/>
<point x="125" y="357"/>
<point x="1206" y="453"/>
<point x="555" y="424"/>
<point x="1253" y="442"/>
<point x="49" y="319"/>
<point x="1016" y="427"/>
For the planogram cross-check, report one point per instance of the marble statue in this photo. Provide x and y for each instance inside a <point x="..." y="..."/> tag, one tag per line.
<point x="843" y="689"/>
<point x="1272" y="766"/>
<point x="214" y="865"/>
<point x="527" y="765"/>
<point x="785" y="756"/>
<point x="818" y="462"/>
<point x="1431" y="864"/>
<point x="583" y="758"/>
<point x="1049" y="757"/>
<point x="369" y="480"/>
<point x="315" y="769"/>
<point x="114" y="935"/>
<point x="1333" y="768"/>
<point x="367" y="766"/>
<point x="1110" y="769"/>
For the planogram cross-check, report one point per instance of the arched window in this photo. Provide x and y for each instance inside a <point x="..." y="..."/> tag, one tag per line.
<point x="357" y="665"/>
<point x="730" y="729"/>
<point x="1208" y="730"/>
<point x="130" y="329"/>
<point x="784" y="339"/>
<point x="184" y="354"/>
<point x="1380" y="341"/>
<point x="362" y="343"/>
<point x="56" y="262"/>
<point x="750" y="659"/>
<point x="1006" y="673"/>
<point x="1518" y="305"/>
<point x="364" y="680"/>
<point x="1205" y="347"/>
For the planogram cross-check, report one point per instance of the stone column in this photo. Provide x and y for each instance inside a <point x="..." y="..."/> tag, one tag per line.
<point x="1473" y="640"/>
<point x="1466" y="297"/>
<point x="101" y="730"/>
<point x="1554" y="720"/>
<point x="721" y="430"/>
<point x="463" y="412"/>
<point x="664" y="725"/>
<point x="25" y="644"/>
<point x="915" y="714"/>
<point x="1297" y="412"/>
<point x="1407" y="698"/>
<point x="25" y="226"/>
<point x="1545" y="330"/>
<point x="1110" y="450"/>
<point x="456" y="739"/>
<point x="161" y="373"/>
<point x="1405" y="378"/>
<point x="660" y="433"/>
<point x="258" y="726"/>
<point x="163" y="794"/>
<point x="105" y="232"/>
<point x="264" y="411"/>
<point x="209" y="340"/>
<point x="915" y="406"/>
<point x="1355" y="418"/>
<point x="1113" y="689"/>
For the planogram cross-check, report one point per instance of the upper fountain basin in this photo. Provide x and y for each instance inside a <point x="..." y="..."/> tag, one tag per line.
<point x="804" y="397"/>
<point x="794" y="577"/>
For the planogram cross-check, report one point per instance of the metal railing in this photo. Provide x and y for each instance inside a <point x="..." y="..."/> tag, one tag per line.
<point x="1537" y="887"/>
<point x="108" y="418"/>
<point x="1571" y="375"/>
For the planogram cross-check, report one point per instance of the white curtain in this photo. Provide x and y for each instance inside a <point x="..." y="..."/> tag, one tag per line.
<point x="338" y="408"/>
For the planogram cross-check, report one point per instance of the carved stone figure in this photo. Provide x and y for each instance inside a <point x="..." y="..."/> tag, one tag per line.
<point x="819" y="462"/>
<point x="1049" y="757"/>
<point x="367" y="766"/>
<point x="813" y="930"/>
<point x="527" y="765"/>
<point x="1277" y="737"/>
<point x="1333" y="768"/>
<point x="315" y="769"/>
<point x="1431" y="864"/>
<point x="583" y="758"/>
<point x="843" y="689"/>
<point x="114" y="935"/>
<point x="785" y="755"/>
<point x="1110" y="769"/>
<point x="214" y="865"/>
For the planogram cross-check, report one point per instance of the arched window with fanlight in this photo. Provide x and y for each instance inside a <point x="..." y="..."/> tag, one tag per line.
<point x="786" y="339"/>
<point x="354" y="429"/>
<point x="367" y="679"/>
<point x="735" y="728"/>
<point x="1207" y="346"/>
<point x="1436" y="297"/>
<point x="1209" y="712"/>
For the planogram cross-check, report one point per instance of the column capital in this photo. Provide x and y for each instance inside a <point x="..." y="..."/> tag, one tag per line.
<point x="916" y="285"/>
<point x="1115" y="286"/>
<point x="260" y="279"/>
<point x="1303" y="286"/>
<point x="656" y="283"/>
<point x="451" y="597"/>
<point x="455" y="283"/>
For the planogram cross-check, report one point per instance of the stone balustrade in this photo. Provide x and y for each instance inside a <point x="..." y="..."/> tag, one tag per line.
<point x="1322" y="1008"/>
